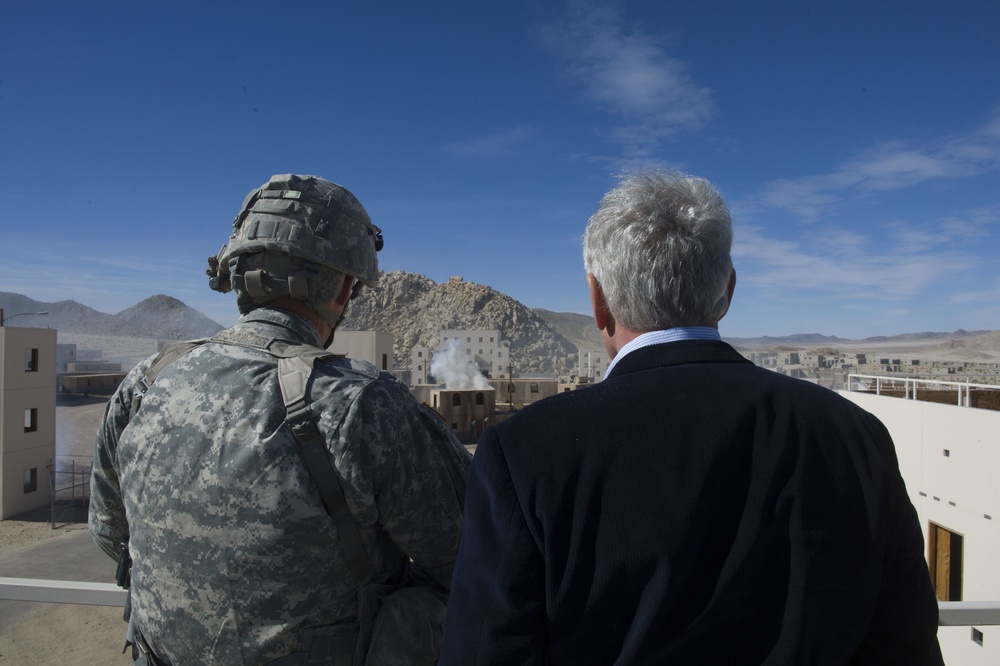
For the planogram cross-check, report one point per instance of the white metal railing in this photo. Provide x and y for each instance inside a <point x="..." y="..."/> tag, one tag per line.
<point x="950" y="613"/>
<point x="62" y="592"/>
<point x="878" y="383"/>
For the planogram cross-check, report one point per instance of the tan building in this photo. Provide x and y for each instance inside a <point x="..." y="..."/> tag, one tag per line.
<point x="27" y="417"/>
<point x="372" y="346"/>
<point x="467" y="411"/>
<point x="521" y="391"/>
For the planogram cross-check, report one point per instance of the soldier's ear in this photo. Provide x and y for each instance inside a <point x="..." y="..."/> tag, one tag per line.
<point x="346" y="291"/>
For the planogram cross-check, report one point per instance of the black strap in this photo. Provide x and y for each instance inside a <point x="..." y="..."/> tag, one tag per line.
<point x="294" y="373"/>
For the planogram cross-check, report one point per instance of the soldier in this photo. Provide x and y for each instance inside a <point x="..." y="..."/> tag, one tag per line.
<point x="274" y="497"/>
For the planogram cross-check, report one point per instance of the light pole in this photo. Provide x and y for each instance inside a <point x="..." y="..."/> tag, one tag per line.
<point x="4" y="320"/>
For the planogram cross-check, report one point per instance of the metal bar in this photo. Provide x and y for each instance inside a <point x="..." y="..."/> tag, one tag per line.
<point x="968" y="613"/>
<point x="62" y="592"/>
<point x="950" y="613"/>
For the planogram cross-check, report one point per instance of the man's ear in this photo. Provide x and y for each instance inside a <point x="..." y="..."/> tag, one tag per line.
<point x="345" y="291"/>
<point x="602" y="316"/>
<point x="732" y="286"/>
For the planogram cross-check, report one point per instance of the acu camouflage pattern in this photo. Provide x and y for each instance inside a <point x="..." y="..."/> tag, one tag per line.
<point x="234" y="555"/>
<point x="308" y="218"/>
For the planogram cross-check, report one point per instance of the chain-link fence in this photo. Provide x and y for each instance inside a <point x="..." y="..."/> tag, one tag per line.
<point x="70" y="490"/>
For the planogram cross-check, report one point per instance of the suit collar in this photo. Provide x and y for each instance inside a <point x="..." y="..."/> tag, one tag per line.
<point x="676" y="353"/>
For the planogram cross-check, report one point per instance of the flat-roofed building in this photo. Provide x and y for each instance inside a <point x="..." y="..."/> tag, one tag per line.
<point x="949" y="456"/>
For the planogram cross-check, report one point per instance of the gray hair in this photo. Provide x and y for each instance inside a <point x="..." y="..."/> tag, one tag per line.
<point x="659" y="247"/>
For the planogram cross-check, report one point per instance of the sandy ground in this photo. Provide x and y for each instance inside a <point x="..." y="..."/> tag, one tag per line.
<point x="46" y="633"/>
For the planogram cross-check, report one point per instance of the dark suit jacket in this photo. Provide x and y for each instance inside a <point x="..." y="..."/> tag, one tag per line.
<point x="690" y="509"/>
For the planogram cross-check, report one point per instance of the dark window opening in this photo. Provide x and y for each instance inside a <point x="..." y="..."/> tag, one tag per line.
<point x="30" y="480"/>
<point x="31" y="419"/>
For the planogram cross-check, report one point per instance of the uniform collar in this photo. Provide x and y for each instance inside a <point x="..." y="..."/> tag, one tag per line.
<point x="298" y="325"/>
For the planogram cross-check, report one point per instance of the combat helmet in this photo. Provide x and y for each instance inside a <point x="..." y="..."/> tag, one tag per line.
<point x="292" y="236"/>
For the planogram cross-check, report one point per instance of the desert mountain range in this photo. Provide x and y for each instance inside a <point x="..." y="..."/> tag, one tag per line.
<point x="414" y="309"/>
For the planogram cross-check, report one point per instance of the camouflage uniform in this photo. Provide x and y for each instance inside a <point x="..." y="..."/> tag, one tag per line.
<point x="235" y="557"/>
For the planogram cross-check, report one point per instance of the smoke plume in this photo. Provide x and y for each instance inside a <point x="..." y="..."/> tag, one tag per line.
<point x="452" y="367"/>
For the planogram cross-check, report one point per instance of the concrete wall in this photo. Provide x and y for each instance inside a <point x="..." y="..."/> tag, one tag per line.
<point x="27" y="398"/>
<point x="949" y="457"/>
<point x="372" y="346"/>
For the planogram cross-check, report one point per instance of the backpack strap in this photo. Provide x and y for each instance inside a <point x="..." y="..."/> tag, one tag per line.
<point x="294" y="373"/>
<point x="167" y="355"/>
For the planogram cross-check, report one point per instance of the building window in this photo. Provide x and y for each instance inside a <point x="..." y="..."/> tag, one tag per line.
<point x="420" y="354"/>
<point x="534" y="387"/>
<point x="977" y="636"/>
<point x="480" y="339"/>
<point x="944" y="558"/>
<point x="480" y="352"/>
<point x="491" y="338"/>
<point x="30" y="480"/>
<point x="31" y="359"/>
<point x="456" y="400"/>
<point x="385" y="361"/>
<point x="468" y="339"/>
<point x="480" y="399"/>
<point x="468" y="352"/>
<point x="31" y="419"/>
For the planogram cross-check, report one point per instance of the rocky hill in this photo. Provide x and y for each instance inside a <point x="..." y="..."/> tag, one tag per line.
<point x="415" y="309"/>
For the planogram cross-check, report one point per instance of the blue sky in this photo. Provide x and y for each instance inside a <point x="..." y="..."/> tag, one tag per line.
<point x="857" y="143"/>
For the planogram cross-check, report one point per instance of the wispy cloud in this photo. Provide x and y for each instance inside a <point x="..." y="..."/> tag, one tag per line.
<point x="851" y="265"/>
<point x="500" y="144"/>
<point x="890" y="165"/>
<point x="631" y="75"/>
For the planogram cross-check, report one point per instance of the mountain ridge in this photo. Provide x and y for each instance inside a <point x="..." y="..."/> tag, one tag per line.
<point x="415" y="308"/>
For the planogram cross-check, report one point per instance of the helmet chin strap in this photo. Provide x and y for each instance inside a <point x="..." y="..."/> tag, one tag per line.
<point x="331" y="316"/>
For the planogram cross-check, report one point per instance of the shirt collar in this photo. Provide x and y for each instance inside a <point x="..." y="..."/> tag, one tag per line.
<point x="666" y="335"/>
<point x="290" y="321"/>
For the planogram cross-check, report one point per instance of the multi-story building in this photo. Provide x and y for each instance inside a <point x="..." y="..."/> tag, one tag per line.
<point x="420" y="364"/>
<point x="27" y="417"/>
<point x="485" y="349"/>
<point x="593" y="363"/>
<point x="949" y="456"/>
